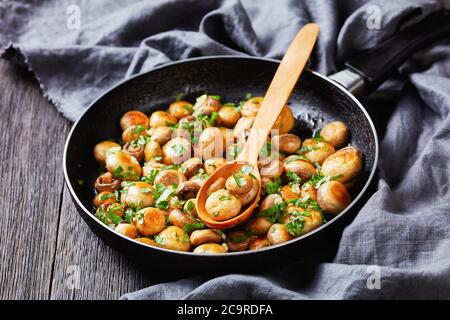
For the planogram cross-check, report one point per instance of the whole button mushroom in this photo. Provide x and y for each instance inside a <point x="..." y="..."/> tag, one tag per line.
<point x="344" y="166"/>
<point x="138" y="194"/>
<point x="222" y="205"/>
<point x="180" y="109"/>
<point x="301" y="168"/>
<point x="206" y="105"/>
<point x="161" y="135"/>
<point x="287" y="143"/>
<point x="238" y="241"/>
<point x="216" y="185"/>
<point x="188" y="189"/>
<point x="251" y="107"/>
<point x="211" y="248"/>
<point x="199" y="237"/>
<point x="134" y="118"/>
<point x="128" y="230"/>
<point x="333" y="197"/>
<point x="104" y="197"/>
<point x="149" y="221"/>
<point x="174" y="238"/>
<point x="162" y="119"/>
<point x="122" y="165"/>
<point x="213" y="163"/>
<point x="278" y="234"/>
<point x="191" y="167"/>
<point x="176" y="151"/>
<point x="180" y="219"/>
<point x="170" y="178"/>
<point x="228" y="115"/>
<point x="316" y="151"/>
<point x="335" y="133"/>
<point x="152" y="150"/>
<point x="101" y="148"/>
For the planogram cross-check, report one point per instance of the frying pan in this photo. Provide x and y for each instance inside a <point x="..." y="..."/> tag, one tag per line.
<point x="316" y="99"/>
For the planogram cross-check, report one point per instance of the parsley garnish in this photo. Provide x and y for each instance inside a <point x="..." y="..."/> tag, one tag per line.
<point x="275" y="213"/>
<point x="106" y="196"/>
<point x="178" y="149"/>
<point x="159" y="240"/>
<point x="294" y="178"/>
<point x="273" y="186"/>
<point x="190" y="227"/>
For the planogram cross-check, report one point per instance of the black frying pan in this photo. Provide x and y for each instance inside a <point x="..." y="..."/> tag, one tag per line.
<point x="315" y="101"/>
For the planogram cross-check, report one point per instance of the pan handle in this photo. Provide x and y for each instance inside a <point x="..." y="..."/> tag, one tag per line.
<point x="366" y="72"/>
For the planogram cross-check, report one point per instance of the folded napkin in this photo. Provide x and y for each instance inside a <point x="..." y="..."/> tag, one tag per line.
<point x="399" y="244"/>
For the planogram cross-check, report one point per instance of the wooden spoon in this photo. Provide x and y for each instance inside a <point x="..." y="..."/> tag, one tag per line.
<point x="276" y="97"/>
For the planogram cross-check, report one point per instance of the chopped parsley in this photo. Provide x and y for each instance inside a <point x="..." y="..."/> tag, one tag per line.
<point x="163" y="195"/>
<point x="190" y="206"/>
<point x="239" y="179"/>
<point x="178" y="149"/>
<point x="138" y="129"/>
<point x="150" y="178"/>
<point x="106" y="196"/>
<point x="224" y="198"/>
<point x="160" y="240"/>
<point x="208" y="121"/>
<point x="190" y="227"/>
<point x="80" y="182"/>
<point x="293" y="178"/>
<point x="275" y="213"/>
<point x="273" y="186"/>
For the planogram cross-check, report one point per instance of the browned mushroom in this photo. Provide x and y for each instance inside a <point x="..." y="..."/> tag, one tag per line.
<point x="169" y="178"/>
<point x="188" y="189"/>
<point x="191" y="167"/>
<point x="133" y="118"/>
<point x="134" y="149"/>
<point x="180" y="109"/>
<point x="238" y="241"/>
<point x="107" y="182"/>
<point x="206" y="105"/>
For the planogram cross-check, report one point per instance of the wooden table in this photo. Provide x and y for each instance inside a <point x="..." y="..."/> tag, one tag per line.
<point x="44" y="244"/>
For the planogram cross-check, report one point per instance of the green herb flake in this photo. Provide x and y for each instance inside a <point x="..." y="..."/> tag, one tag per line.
<point x="178" y="149"/>
<point x="275" y="213"/>
<point x="118" y="171"/>
<point x="106" y="196"/>
<point x="80" y="182"/>
<point x="159" y="240"/>
<point x="239" y="179"/>
<point x="273" y="187"/>
<point x="293" y="178"/>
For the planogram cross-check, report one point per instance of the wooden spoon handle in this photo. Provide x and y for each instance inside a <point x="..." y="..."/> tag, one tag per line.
<point x="280" y="89"/>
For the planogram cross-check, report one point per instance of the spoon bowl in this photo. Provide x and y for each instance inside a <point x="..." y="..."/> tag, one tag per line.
<point x="276" y="97"/>
<point x="225" y="171"/>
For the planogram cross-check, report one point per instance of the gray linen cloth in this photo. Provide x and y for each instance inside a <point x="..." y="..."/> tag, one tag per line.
<point x="401" y="236"/>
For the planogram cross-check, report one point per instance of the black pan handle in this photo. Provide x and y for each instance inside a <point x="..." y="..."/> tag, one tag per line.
<point x="374" y="66"/>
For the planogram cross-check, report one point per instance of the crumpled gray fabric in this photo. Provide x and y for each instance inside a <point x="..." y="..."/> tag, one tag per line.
<point x="401" y="234"/>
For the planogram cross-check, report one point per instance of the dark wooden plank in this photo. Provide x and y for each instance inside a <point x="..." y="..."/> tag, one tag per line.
<point x="103" y="273"/>
<point x="41" y="234"/>
<point x="30" y="193"/>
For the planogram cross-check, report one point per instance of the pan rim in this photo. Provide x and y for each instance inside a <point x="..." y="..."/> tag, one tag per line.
<point x="248" y="252"/>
